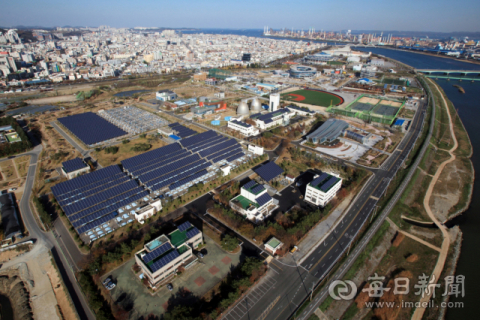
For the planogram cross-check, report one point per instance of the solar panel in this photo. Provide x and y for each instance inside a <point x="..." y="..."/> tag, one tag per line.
<point x="90" y="128"/>
<point x="184" y="226"/>
<point x="263" y="199"/>
<point x="191" y="233"/>
<point x="169" y="257"/>
<point x="329" y="183"/>
<point x="73" y="165"/>
<point x="157" y="252"/>
<point x="249" y="184"/>
<point x="269" y="171"/>
<point x="320" y="179"/>
<point x="258" y="188"/>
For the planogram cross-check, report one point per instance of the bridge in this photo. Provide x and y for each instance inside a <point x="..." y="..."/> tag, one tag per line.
<point x="447" y="72"/>
<point x="462" y="75"/>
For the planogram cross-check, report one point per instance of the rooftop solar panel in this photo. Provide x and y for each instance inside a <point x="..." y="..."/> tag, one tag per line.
<point x="257" y="189"/>
<point x="263" y="199"/>
<point x="328" y="184"/>
<point x="249" y="184"/>
<point x="320" y="179"/>
<point x="157" y="252"/>
<point x="73" y="165"/>
<point x="164" y="260"/>
<point x="191" y="233"/>
<point x="184" y="226"/>
<point x="269" y="171"/>
<point x="91" y="128"/>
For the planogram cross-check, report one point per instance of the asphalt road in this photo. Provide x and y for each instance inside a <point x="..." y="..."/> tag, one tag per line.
<point x="69" y="139"/>
<point x="293" y="283"/>
<point x="47" y="239"/>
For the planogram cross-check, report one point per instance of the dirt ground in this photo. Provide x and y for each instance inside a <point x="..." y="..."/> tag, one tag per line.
<point x="11" y="254"/>
<point x="68" y="98"/>
<point x="66" y="307"/>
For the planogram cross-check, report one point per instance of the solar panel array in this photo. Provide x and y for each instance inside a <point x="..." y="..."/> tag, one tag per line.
<point x="182" y="131"/>
<point x="320" y="179"/>
<point x="144" y="158"/>
<point x="192" y="232"/>
<point x="269" y="171"/>
<point x="184" y="226"/>
<point x="263" y="199"/>
<point x="73" y="165"/>
<point x="93" y="199"/>
<point x="258" y="189"/>
<point x="249" y="184"/>
<point x="163" y="261"/>
<point x="329" y="183"/>
<point x="91" y="128"/>
<point x="157" y="252"/>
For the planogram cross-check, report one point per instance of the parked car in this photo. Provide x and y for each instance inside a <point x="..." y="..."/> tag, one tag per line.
<point x="107" y="281"/>
<point x="110" y="285"/>
<point x="169" y="287"/>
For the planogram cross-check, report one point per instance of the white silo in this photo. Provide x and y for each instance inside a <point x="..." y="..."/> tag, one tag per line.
<point x="256" y="105"/>
<point x="243" y="108"/>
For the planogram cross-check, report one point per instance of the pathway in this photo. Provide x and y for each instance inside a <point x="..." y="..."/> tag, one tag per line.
<point x="418" y="314"/>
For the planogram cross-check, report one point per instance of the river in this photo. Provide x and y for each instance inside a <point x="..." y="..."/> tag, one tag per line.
<point x="469" y="111"/>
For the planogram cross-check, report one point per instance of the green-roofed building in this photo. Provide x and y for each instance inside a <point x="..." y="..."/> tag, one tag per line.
<point x="161" y="257"/>
<point x="322" y="189"/>
<point x="253" y="202"/>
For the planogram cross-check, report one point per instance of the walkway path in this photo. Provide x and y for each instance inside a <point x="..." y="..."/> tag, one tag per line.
<point x="418" y="314"/>
<point x="412" y="236"/>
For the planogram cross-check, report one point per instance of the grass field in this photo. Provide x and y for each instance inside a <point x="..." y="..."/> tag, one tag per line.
<point x="317" y="98"/>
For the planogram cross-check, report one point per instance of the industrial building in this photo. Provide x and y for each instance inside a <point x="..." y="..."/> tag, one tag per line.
<point x="205" y="108"/>
<point x="318" y="58"/>
<point x="303" y="111"/>
<point x="322" y="189"/>
<point x="161" y="258"/>
<point x="75" y="167"/>
<point x="244" y="128"/>
<point x="269" y="120"/>
<point x="165" y="95"/>
<point x="253" y="202"/>
<point x="299" y="71"/>
<point x="329" y="131"/>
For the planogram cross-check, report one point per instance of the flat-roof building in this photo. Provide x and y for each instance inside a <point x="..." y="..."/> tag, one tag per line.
<point x="161" y="258"/>
<point x="253" y="202"/>
<point x="322" y="189"/>
<point x="165" y="95"/>
<point x="74" y="167"/>
<point x="244" y="128"/>
<point x="272" y="119"/>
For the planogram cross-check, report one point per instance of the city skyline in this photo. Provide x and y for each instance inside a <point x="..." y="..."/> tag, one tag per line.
<point x="439" y="16"/>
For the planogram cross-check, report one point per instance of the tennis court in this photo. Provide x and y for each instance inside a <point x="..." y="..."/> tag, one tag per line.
<point x="317" y="98"/>
<point x="362" y="106"/>
<point x="385" y="110"/>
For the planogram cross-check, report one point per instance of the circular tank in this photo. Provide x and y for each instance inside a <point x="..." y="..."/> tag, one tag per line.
<point x="256" y="105"/>
<point x="242" y="108"/>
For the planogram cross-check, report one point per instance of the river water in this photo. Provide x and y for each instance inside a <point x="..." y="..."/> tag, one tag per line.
<point x="469" y="111"/>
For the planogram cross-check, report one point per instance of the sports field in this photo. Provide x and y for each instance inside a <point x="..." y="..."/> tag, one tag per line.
<point x="317" y="98"/>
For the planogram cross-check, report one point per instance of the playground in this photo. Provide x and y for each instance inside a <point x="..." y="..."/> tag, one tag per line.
<point x="313" y="97"/>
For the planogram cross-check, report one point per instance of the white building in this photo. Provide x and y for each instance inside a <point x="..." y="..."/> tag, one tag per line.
<point x="166" y="95"/>
<point x="274" y="102"/>
<point x="322" y="189"/>
<point x="255" y="150"/>
<point x="244" y="128"/>
<point x="377" y="62"/>
<point x="148" y="211"/>
<point x="161" y="257"/>
<point x="253" y="202"/>
<point x="75" y="167"/>
<point x="269" y="120"/>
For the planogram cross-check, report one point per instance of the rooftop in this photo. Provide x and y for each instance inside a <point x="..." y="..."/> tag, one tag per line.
<point x="274" y="243"/>
<point x="73" y="165"/>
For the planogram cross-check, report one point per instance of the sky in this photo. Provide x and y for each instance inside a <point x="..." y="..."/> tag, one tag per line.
<point x="405" y="15"/>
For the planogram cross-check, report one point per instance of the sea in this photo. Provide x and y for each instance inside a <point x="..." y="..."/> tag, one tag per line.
<point x="468" y="107"/>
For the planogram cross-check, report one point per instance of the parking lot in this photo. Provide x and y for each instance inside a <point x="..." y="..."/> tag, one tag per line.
<point x="192" y="284"/>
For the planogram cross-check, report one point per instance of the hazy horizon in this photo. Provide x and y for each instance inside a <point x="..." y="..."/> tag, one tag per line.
<point x="436" y="16"/>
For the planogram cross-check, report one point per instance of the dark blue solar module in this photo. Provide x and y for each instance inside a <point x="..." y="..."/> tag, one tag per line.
<point x="184" y="226"/>
<point x="157" y="252"/>
<point x="320" y="179"/>
<point x="152" y="155"/>
<point x="190" y="142"/>
<point x="163" y="261"/>
<point x="269" y="171"/>
<point x="91" y="128"/>
<point x="192" y="232"/>
<point x="329" y="183"/>
<point x="235" y="157"/>
<point x="257" y="189"/>
<point x="188" y="179"/>
<point x="249" y="184"/>
<point x="263" y="199"/>
<point x="73" y="165"/>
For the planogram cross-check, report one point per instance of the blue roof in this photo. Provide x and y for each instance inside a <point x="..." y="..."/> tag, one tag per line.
<point x="263" y="199"/>
<point x="269" y="171"/>
<point x="73" y="165"/>
<point x="399" y="122"/>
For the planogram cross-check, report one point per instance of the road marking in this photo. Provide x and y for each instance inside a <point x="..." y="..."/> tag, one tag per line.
<point x="374" y="198"/>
